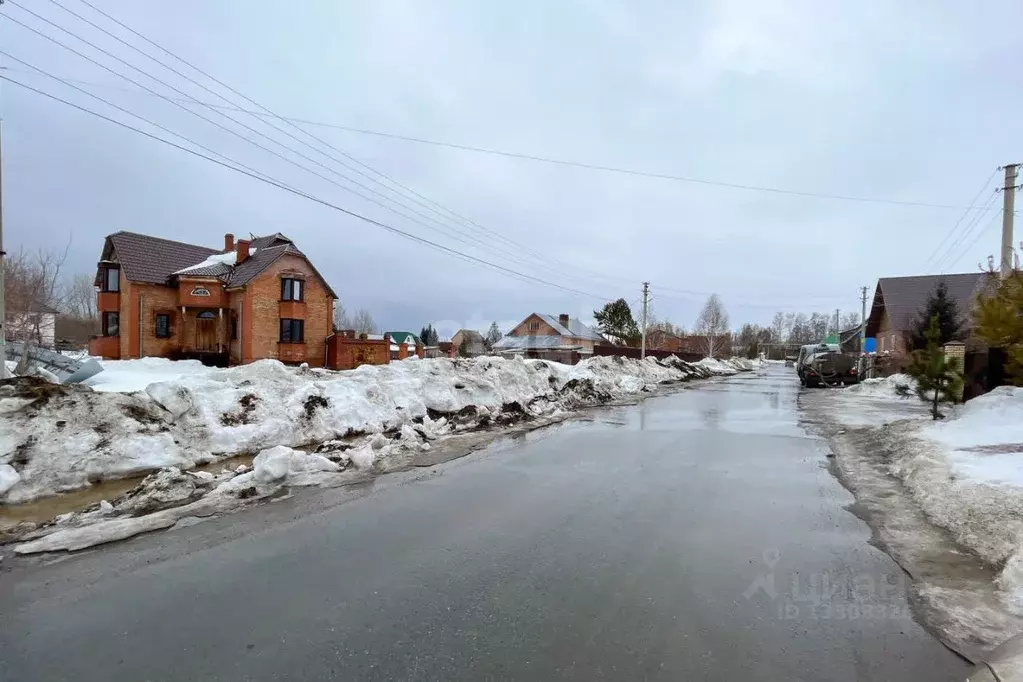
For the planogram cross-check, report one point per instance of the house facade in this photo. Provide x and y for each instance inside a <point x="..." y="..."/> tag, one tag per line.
<point x="899" y="300"/>
<point x="253" y="299"/>
<point x="547" y="336"/>
<point x="468" y="342"/>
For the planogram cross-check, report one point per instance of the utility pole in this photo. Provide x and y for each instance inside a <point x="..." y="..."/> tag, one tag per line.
<point x="1008" y="207"/>
<point x="838" y="326"/>
<point x="3" y="310"/>
<point x="646" y="298"/>
<point x="863" y="318"/>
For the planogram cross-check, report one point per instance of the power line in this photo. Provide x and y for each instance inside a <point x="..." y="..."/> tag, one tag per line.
<point x="980" y="234"/>
<point x="268" y="111"/>
<point x="484" y="246"/>
<point x="983" y="186"/>
<point x="270" y="180"/>
<point x="443" y="228"/>
<point x="555" y="161"/>
<point x="131" y="113"/>
<point x="420" y="200"/>
<point x="966" y="233"/>
<point x="297" y="192"/>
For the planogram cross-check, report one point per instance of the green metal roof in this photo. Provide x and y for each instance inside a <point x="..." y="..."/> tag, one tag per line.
<point x="403" y="337"/>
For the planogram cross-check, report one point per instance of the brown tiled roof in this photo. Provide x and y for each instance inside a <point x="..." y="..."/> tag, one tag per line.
<point x="249" y="269"/>
<point x="904" y="297"/>
<point x="277" y="239"/>
<point x="153" y="259"/>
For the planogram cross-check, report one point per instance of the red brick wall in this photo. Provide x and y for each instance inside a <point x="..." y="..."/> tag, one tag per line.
<point x="344" y="353"/>
<point x="522" y="329"/>
<point x="216" y="298"/>
<point x="264" y="297"/>
<point x="158" y="299"/>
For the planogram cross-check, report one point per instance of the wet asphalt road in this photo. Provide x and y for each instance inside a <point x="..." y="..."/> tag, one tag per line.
<point x="696" y="536"/>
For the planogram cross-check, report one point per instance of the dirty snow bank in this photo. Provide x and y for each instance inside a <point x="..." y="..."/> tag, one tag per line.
<point x="427" y="399"/>
<point x="886" y="387"/>
<point x="966" y="473"/>
<point x="169" y="495"/>
<point x="60" y="438"/>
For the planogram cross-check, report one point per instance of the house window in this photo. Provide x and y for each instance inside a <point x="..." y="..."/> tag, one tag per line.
<point x="111" y="325"/>
<point x="534" y="326"/>
<point x="162" y="329"/>
<point x="292" y="331"/>
<point x="292" y="290"/>
<point x="111" y="279"/>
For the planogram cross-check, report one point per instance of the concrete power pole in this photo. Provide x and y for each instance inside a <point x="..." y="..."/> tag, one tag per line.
<point x="1008" y="207"/>
<point x="863" y="318"/>
<point x="3" y="310"/>
<point x="646" y="300"/>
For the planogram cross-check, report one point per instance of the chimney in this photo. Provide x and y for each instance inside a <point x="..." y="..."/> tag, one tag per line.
<point x="563" y="320"/>
<point x="228" y="242"/>
<point x="243" y="251"/>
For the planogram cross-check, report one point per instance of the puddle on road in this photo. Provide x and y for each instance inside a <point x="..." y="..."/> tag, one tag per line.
<point x="46" y="508"/>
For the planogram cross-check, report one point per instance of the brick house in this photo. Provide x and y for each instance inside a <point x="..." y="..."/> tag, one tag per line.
<point x="253" y="299"/>
<point x="542" y="335"/>
<point x="899" y="300"/>
<point x="468" y="342"/>
<point x="659" y="339"/>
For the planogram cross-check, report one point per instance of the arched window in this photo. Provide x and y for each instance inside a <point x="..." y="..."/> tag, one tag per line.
<point x="206" y="315"/>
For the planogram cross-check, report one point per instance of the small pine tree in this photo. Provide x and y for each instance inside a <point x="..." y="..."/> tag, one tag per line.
<point x="492" y="337"/>
<point x="998" y="320"/>
<point x="938" y="379"/>
<point x="950" y="322"/>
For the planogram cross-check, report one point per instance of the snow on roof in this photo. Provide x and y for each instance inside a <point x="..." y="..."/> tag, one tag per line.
<point x="574" y="327"/>
<point x="212" y="262"/>
<point x="531" y="342"/>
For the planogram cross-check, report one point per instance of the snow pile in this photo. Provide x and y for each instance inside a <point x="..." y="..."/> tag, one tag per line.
<point x="278" y="463"/>
<point x="126" y="376"/>
<point x="886" y="387"/>
<point x="718" y="366"/>
<point x="165" y="497"/>
<point x="59" y="438"/>
<point x="966" y="473"/>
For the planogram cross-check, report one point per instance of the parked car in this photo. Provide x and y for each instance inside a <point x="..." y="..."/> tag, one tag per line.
<point x="824" y="363"/>
<point x="829" y="367"/>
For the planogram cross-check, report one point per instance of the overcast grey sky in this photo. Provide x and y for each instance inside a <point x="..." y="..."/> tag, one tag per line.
<point x="912" y="101"/>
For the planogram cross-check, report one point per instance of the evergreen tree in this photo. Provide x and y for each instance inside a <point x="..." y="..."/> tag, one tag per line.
<point x="615" y="320"/>
<point x="950" y="322"/>
<point x="938" y="379"/>
<point x="493" y="336"/>
<point x="428" y="335"/>
<point x="998" y="320"/>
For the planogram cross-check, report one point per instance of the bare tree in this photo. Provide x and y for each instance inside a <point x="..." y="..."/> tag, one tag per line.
<point x="778" y="327"/>
<point x="33" y="292"/>
<point x="850" y="320"/>
<point x="80" y="300"/>
<point x="362" y="322"/>
<point x="712" y="322"/>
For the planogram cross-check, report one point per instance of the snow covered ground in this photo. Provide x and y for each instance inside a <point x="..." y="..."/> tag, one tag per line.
<point x="965" y="472"/>
<point x="61" y="438"/>
<point x="127" y="376"/>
